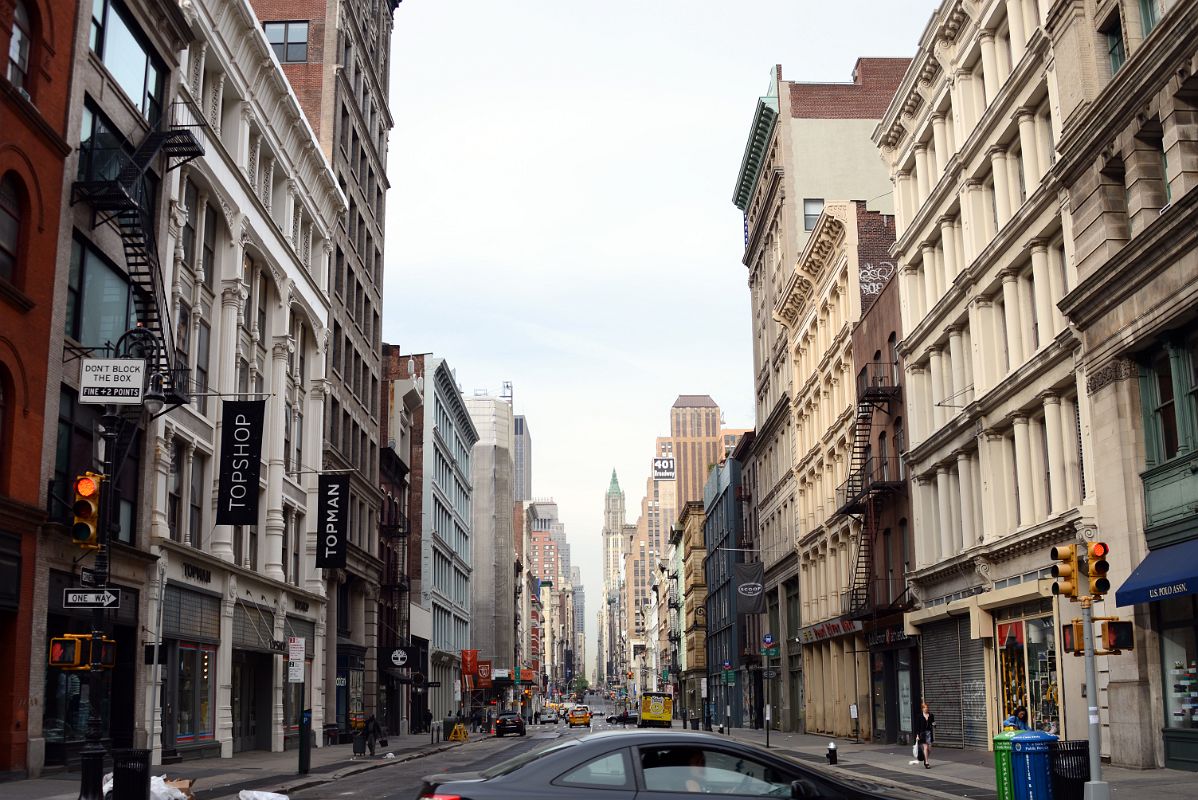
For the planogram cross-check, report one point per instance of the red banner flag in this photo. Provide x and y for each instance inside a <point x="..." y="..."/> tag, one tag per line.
<point x="484" y="674"/>
<point x="469" y="662"/>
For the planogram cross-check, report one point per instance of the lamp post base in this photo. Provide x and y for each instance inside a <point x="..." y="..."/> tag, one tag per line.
<point x="91" y="767"/>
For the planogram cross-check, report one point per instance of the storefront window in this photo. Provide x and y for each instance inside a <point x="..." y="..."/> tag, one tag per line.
<point x="197" y="665"/>
<point x="905" y="704"/>
<point x="67" y="708"/>
<point x="1028" y="674"/>
<point x="879" y="680"/>
<point x="1179" y="657"/>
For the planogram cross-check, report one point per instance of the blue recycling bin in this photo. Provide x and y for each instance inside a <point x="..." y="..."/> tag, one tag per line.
<point x="1031" y="763"/>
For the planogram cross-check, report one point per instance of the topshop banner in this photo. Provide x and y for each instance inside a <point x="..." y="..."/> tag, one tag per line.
<point x="332" y="521"/>
<point x="750" y="588"/>
<point x="240" y="462"/>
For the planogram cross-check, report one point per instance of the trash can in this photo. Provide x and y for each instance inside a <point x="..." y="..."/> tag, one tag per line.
<point x="695" y="724"/>
<point x="1031" y="765"/>
<point x="1004" y="778"/>
<point x="447" y="728"/>
<point x="359" y="744"/>
<point x="131" y="774"/>
<point x="1070" y="769"/>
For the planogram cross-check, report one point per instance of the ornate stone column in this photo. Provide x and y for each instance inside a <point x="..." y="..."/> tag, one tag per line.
<point x="1010" y="300"/>
<point x="948" y="246"/>
<point x="1023" y="470"/>
<point x="187" y="450"/>
<point x="936" y="366"/>
<point x="163" y="455"/>
<point x="989" y="67"/>
<point x="931" y="288"/>
<point x="232" y="297"/>
<point x="944" y="509"/>
<point x="923" y="175"/>
<point x="1030" y="150"/>
<point x="1018" y="34"/>
<point x="1054" y="437"/>
<point x="957" y="358"/>
<point x="1045" y="318"/>
<point x="940" y="140"/>
<point x="275" y="463"/>
<point x="968" y="498"/>
<point x="1002" y="187"/>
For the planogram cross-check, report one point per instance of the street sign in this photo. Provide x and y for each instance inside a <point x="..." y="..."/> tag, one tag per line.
<point x="295" y="648"/>
<point x="433" y="684"/>
<point x="729" y="677"/>
<point x="770" y="652"/>
<point x="87" y="577"/>
<point x="727" y="664"/>
<point x="769" y="673"/>
<point x="295" y="671"/>
<point x="768" y="640"/>
<point x="119" y="381"/>
<point x="91" y="598"/>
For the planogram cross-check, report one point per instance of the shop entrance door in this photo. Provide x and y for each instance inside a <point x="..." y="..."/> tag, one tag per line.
<point x="251" y="692"/>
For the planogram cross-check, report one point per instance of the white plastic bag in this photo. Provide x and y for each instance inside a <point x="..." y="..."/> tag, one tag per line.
<point x="247" y="794"/>
<point x="915" y="750"/>
<point x="160" y="791"/>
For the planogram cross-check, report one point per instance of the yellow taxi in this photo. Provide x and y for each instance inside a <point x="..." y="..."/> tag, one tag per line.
<point x="579" y="715"/>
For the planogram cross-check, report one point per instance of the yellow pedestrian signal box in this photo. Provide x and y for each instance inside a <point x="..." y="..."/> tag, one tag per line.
<point x="74" y="652"/>
<point x="1097" y="567"/>
<point x="85" y="530"/>
<point x="1117" y="635"/>
<point x="1073" y="638"/>
<point x="1065" y="571"/>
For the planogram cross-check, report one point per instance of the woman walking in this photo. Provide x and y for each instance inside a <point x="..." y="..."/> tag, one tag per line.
<point x="925" y="727"/>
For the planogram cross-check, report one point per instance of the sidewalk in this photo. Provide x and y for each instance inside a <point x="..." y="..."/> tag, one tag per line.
<point x="225" y="777"/>
<point x="956" y="773"/>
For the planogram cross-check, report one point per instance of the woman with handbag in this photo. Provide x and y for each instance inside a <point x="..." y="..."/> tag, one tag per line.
<point x="925" y="727"/>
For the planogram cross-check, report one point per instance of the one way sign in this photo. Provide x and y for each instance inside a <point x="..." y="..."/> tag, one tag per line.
<point x="91" y="598"/>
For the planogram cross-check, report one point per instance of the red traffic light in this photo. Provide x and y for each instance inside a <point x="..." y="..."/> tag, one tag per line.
<point x="1099" y="550"/>
<point x="86" y="486"/>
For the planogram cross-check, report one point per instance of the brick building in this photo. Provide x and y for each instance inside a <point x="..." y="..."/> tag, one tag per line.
<point x="33" y="104"/>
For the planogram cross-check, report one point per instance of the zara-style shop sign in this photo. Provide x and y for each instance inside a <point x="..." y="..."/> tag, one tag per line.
<point x="332" y="524"/>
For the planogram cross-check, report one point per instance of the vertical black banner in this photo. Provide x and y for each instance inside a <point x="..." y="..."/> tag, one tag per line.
<point x="750" y="588"/>
<point x="332" y="523"/>
<point x="240" y="462"/>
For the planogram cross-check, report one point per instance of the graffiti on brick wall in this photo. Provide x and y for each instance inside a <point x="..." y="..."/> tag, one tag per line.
<point x="873" y="277"/>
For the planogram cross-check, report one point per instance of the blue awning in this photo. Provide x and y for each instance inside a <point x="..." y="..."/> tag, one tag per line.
<point x="1167" y="572"/>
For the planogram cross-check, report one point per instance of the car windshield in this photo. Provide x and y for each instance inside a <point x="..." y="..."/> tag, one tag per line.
<point x="513" y="764"/>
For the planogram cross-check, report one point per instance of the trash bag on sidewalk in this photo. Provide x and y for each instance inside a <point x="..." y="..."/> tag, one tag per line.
<point x="159" y="789"/>
<point x="247" y="794"/>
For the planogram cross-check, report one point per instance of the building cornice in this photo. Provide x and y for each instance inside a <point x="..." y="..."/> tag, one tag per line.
<point x="765" y="119"/>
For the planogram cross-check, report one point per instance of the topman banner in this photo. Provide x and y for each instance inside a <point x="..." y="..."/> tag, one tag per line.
<point x="240" y="462"/>
<point x="750" y="588"/>
<point x="332" y="521"/>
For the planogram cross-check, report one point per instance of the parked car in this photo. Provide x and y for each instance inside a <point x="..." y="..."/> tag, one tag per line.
<point x="509" y="722"/>
<point x="623" y="764"/>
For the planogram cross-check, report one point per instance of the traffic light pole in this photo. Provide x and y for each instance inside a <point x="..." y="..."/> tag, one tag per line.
<point x="91" y="757"/>
<point x="1096" y="788"/>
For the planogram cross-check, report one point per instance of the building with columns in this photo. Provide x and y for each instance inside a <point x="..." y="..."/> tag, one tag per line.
<point x="1127" y="174"/>
<point x="999" y="427"/>
<point x="807" y="142"/>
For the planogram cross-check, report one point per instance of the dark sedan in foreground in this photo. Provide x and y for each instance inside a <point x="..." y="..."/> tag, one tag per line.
<point x="509" y="722"/>
<point x="656" y="765"/>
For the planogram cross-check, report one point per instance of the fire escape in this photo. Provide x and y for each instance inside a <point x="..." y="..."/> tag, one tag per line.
<point x="115" y="183"/>
<point x="871" y="479"/>
<point x="395" y="586"/>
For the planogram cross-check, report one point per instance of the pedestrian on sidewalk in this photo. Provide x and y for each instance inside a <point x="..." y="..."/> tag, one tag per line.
<point x="374" y="733"/>
<point x="925" y="728"/>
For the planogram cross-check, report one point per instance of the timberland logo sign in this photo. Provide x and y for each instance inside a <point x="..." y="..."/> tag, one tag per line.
<point x="332" y="521"/>
<point x="1162" y="592"/>
<point x="240" y="462"/>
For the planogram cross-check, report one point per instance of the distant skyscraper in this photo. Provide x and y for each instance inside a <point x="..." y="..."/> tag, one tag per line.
<point x="613" y="533"/>
<point x="523" y="456"/>
<point x="698" y="445"/>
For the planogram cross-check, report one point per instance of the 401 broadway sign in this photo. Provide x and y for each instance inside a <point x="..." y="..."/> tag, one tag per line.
<point x="331" y="521"/>
<point x="240" y="462"/>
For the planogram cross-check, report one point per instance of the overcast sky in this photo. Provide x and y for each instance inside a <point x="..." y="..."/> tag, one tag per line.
<point x="560" y="213"/>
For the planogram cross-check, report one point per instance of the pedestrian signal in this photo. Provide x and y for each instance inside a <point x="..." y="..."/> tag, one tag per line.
<point x="1097" y="566"/>
<point x="66" y="652"/>
<point x="85" y="530"/>
<point x="1118" y="636"/>
<point x="1066" y="571"/>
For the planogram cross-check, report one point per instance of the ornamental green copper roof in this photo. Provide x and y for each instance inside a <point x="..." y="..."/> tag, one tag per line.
<point x="755" y="150"/>
<point x="615" y="484"/>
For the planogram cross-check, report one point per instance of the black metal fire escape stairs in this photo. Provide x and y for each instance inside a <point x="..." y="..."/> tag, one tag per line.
<point x="114" y="186"/>
<point x="870" y="479"/>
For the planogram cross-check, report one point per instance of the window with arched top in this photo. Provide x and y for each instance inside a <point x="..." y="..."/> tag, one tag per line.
<point x="18" y="48"/>
<point x="11" y="193"/>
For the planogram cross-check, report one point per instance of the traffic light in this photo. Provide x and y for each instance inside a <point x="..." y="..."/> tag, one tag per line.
<point x="1118" y="635"/>
<point x="1073" y="638"/>
<point x="85" y="532"/>
<point x="1097" y="566"/>
<point x="629" y="674"/>
<point x="66" y="652"/>
<point x="1066" y="571"/>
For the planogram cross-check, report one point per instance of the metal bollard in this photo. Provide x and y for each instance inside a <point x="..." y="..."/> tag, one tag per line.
<point x="831" y="752"/>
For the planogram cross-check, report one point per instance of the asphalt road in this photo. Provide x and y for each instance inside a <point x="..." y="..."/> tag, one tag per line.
<point x="402" y="781"/>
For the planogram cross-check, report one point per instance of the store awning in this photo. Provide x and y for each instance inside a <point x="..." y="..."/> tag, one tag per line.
<point x="1167" y="572"/>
